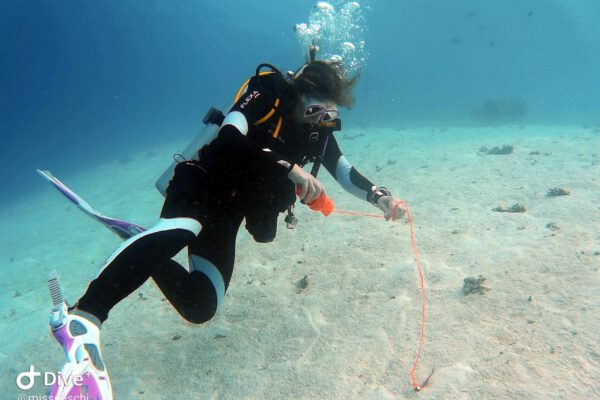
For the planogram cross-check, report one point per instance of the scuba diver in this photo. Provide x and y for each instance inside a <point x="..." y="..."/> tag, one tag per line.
<point x="252" y="172"/>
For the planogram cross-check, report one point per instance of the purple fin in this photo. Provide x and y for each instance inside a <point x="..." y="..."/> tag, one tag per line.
<point x="123" y="229"/>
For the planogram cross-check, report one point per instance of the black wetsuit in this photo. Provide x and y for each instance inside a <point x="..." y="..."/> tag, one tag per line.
<point x="242" y="174"/>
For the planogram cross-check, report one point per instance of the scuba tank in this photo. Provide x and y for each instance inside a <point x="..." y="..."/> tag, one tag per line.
<point x="212" y="121"/>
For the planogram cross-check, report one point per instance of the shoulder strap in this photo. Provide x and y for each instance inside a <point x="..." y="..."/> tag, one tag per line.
<point x="273" y="110"/>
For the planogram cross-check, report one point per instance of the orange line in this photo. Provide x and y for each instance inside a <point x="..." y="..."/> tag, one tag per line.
<point x="358" y="214"/>
<point x="416" y="386"/>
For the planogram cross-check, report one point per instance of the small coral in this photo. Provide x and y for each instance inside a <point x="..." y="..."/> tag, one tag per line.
<point x="506" y="149"/>
<point x="475" y="285"/>
<point x="515" y="208"/>
<point x="557" y="192"/>
<point x="302" y="284"/>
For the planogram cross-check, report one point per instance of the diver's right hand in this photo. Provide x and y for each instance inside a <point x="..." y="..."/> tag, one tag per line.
<point x="309" y="187"/>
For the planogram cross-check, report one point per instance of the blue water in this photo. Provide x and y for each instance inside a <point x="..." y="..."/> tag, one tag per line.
<point x="86" y="81"/>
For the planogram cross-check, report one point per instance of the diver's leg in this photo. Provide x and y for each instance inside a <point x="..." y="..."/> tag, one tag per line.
<point x="78" y="329"/>
<point x="134" y="262"/>
<point x="192" y="294"/>
<point x="197" y="294"/>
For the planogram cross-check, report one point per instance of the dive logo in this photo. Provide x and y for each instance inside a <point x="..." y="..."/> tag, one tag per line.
<point x="26" y="380"/>
<point x="248" y="99"/>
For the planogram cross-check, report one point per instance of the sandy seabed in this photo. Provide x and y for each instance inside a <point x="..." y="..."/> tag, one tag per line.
<point x="352" y="333"/>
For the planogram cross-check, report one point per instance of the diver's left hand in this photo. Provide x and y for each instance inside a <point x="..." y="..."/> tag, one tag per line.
<point x="391" y="207"/>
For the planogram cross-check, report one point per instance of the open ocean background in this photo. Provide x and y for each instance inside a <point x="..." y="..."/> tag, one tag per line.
<point x="83" y="82"/>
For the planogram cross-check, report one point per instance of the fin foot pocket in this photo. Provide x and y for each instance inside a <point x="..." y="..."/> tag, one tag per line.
<point x="84" y="373"/>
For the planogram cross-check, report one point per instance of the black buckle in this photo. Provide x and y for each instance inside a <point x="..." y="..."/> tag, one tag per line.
<point x="290" y="220"/>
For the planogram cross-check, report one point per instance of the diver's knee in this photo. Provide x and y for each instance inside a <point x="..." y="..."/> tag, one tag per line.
<point x="206" y="298"/>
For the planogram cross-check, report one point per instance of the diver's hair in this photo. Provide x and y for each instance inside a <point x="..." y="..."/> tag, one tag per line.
<point x="325" y="81"/>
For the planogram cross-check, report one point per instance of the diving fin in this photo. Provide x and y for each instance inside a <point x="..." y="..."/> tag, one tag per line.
<point x="84" y="374"/>
<point x="123" y="229"/>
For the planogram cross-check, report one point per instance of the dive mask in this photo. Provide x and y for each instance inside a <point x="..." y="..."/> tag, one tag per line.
<point x="316" y="112"/>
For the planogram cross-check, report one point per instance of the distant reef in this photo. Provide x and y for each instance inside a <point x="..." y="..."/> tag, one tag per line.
<point x="500" y="112"/>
